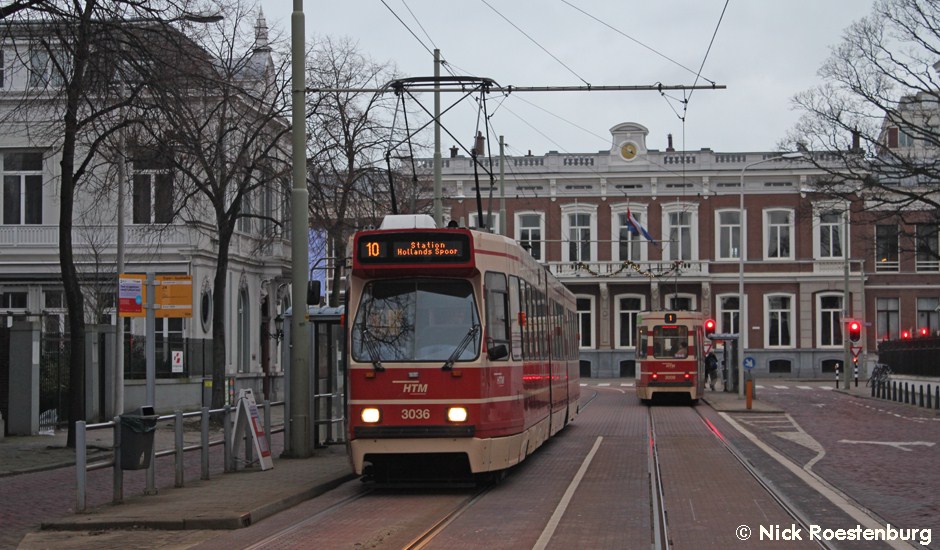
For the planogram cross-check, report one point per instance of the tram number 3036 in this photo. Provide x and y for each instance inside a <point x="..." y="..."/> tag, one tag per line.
<point x="415" y="414"/>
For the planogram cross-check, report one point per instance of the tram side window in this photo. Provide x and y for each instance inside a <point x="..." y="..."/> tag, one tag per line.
<point x="670" y="341"/>
<point x="527" y="321"/>
<point x="641" y="343"/>
<point x="497" y="310"/>
<point x="515" y="308"/>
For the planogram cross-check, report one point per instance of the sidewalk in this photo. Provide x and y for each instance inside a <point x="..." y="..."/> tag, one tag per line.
<point x="225" y="501"/>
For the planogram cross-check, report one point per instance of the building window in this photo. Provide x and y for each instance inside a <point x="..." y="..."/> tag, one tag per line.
<point x="491" y="220"/>
<point x="830" y="235"/>
<point x="243" y="340"/>
<point x="246" y="217"/>
<point x="729" y="234"/>
<point x="928" y="314"/>
<point x="13" y="300"/>
<point x="22" y="188"/>
<point x="43" y="72"/>
<point x="728" y="314"/>
<point x="830" y="320"/>
<point x="579" y="237"/>
<point x="627" y="246"/>
<point x="928" y="247"/>
<point x="778" y="230"/>
<point x="680" y="302"/>
<point x="680" y="235"/>
<point x="779" y="366"/>
<point x="886" y="247"/>
<point x="625" y="322"/>
<point x="888" y="324"/>
<point x="585" y="305"/>
<point x="578" y="230"/>
<point x="153" y="188"/>
<point x="779" y="321"/>
<point x="530" y="227"/>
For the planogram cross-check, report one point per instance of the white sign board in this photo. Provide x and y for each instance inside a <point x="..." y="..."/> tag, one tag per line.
<point x="176" y="361"/>
<point x="247" y="418"/>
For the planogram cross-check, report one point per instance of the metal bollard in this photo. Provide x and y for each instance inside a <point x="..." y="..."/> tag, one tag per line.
<point x="837" y="375"/>
<point x="81" y="463"/>
<point x="227" y="438"/>
<point x="118" y="483"/>
<point x="267" y="422"/>
<point x="856" y="375"/>
<point x="178" y="427"/>
<point x="205" y="443"/>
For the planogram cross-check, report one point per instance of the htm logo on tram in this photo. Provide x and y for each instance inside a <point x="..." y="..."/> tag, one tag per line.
<point x="412" y="387"/>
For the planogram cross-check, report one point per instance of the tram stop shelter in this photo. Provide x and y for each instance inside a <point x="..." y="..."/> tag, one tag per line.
<point x="327" y="368"/>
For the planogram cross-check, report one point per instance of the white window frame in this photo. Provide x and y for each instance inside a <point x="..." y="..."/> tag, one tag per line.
<point x="667" y="300"/>
<point x="767" y="226"/>
<point x="541" y="227"/>
<point x="818" y="314"/>
<point x="818" y="228"/>
<point x="618" y="322"/>
<point x="640" y="211"/>
<point x="591" y="314"/>
<point x="492" y="216"/>
<point x="668" y="246"/>
<point x="720" y="312"/>
<point x="791" y="320"/>
<point x="578" y="208"/>
<point x="734" y="255"/>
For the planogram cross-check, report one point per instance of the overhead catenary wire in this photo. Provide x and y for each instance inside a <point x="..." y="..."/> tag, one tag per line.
<point x="553" y="56"/>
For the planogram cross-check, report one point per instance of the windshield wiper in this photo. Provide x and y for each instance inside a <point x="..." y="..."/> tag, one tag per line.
<point x="371" y="349"/>
<point x="471" y="334"/>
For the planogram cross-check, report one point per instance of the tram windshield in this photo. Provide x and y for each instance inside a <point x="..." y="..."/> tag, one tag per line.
<point x="424" y="320"/>
<point x="670" y="341"/>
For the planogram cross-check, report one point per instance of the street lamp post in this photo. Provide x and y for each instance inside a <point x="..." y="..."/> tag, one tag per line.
<point x="742" y="324"/>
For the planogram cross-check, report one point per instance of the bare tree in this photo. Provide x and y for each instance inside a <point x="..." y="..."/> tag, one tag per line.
<point x="874" y="124"/>
<point x="357" y="164"/>
<point x="221" y="118"/>
<point x="74" y="52"/>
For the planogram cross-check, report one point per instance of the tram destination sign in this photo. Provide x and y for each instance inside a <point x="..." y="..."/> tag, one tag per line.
<point x="413" y="248"/>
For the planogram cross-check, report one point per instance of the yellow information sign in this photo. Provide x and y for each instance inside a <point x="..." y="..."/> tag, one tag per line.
<point x="174" y="296"/>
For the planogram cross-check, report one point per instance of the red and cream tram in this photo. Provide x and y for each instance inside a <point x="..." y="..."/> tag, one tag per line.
<point x="670" y="354"/>
<point x="463" y="355"/>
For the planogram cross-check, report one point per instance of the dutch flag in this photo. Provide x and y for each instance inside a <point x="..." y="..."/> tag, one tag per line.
<point x="635" y="227"/>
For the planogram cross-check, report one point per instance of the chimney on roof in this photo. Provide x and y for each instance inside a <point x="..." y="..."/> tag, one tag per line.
<point x="856" y="141"/>
<point x="478" y="144"/>
<point x="453" y="151"/>
<point x="669" y="147"/>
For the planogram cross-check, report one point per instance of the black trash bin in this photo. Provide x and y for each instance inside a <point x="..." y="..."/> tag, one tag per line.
<point x="137" y="430"/>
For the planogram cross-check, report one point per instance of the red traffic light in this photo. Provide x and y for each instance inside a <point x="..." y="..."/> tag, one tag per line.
<point x="855" y="330"/>
<point x="710" y="326"/>
<point x="905" y="335"/>
<point x="924" y="331"/>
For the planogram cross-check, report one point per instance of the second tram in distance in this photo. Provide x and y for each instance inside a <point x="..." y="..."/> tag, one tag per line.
<point x="463" y="353"/>
<point x="669" y="354"/>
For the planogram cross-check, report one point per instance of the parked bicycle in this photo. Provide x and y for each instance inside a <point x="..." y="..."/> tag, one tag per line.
<point x="879" y="375"/>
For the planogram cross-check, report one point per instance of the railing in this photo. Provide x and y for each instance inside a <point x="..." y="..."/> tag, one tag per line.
<point x="229" y="461"/>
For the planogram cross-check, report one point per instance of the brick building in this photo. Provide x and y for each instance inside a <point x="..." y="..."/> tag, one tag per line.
<point x="803" y="249"/>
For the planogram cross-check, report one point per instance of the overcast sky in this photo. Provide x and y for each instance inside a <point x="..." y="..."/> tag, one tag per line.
<point x="765" y="51"/>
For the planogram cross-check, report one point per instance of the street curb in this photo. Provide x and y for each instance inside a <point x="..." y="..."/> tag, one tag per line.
<point x="212" y="520"/>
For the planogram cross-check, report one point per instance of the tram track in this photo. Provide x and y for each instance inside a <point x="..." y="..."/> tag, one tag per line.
<point x="426" y="537"/>
<point x="781" y="500"/>
<point x="659" y="537"/>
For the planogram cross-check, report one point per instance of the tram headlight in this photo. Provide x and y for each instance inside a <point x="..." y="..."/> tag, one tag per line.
<point x="457" y="414"/>
<point x="371" y="415"/>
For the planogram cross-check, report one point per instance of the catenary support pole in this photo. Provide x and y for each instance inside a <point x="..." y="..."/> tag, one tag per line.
<point x="299" y="364"/>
